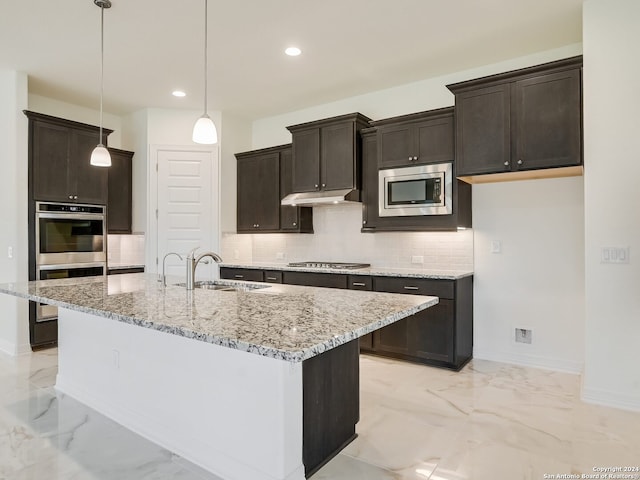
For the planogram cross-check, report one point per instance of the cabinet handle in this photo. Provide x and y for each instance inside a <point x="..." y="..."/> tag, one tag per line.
<point x="316" y="185"/>
<point x="364" y="222"/>
<point x="75" y="197"/>
<point x="324" y="185"/>
<point x="410" y="158"/>
<point x="271" y="278"/>
<point x="70" y="197"/>
<point x="411" y="288"/>
<point x="506" y="164"/>
<point x="415" y="158"/>
<point x="238" y="276"/>
<point x="294" y="224"/>
<point x="520" y="162"/>
<point x="358" y="284"/>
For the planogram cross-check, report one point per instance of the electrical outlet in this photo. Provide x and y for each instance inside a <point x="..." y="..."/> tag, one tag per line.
<point x="10" y="252"/>
<point x="236" y="254"/>
<point x="524" y="335"/>
<point x="279" y="255"/>
<point x="116" y="359"/>
<point x="496" y="246"/>
<point x="417" y="259"/>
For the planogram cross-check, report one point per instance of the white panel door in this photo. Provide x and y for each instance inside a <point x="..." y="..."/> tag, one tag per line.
<point x="187" y="204"/>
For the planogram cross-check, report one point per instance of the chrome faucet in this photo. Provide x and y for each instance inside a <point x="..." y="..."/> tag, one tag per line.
<point x="192" y="263"/>
<point x="164" y="261"/>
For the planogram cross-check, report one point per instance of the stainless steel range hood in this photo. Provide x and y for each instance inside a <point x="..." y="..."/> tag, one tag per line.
<point x="325" y="197"/>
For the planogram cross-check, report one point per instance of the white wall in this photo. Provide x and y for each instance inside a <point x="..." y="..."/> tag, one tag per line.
<point x="537" y="280"/>
<point x="612" y="169"/>
<point x="557" y="321"/>
<point x="14" y="320"/>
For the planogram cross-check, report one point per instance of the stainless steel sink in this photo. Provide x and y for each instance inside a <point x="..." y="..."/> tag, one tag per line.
<point x="223" y="287"/>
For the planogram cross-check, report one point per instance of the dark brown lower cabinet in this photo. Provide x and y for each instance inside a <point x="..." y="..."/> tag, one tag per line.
<point x="441" y="335"/>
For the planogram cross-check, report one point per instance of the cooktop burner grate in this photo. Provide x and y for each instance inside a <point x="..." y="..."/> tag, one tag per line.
<point x="347" y="266"/>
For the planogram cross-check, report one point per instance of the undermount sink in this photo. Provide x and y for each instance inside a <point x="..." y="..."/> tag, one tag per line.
<point x="223" y="287"/>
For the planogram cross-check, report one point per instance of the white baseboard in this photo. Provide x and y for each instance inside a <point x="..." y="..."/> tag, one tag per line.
<point x="536" y="361"/>
<point x="14" y="350"/>
<point x="611" y="399"/>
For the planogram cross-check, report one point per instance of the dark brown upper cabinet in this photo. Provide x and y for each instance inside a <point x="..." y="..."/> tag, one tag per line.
<point x="59" y="155"/>
<point x="437" y="127"/>
<point x="326" y="153"/>
<point x="420" y="138"/>
<point x="521" y="122"/>
<point x="263" y="179"/>
<point x="119" y="202"/>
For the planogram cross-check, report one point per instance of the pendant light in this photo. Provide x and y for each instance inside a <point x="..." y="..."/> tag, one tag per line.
<point x="100" y="156"/>
<point x="204" y="131"/>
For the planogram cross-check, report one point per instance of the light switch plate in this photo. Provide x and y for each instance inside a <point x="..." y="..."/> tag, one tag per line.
<point x="615" y="255"/>
<point x="496" y="246"/>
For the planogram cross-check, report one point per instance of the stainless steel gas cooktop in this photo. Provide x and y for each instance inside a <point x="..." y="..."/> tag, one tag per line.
<point x="348" y="266"/>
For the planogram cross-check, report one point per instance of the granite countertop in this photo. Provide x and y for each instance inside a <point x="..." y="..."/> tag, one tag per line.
<point x="286" y="322"/>
<point x="373" y="271"/>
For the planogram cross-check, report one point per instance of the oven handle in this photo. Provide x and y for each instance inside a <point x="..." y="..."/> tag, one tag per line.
<point x="71" y="266"/>
<point x="71" y="216"/>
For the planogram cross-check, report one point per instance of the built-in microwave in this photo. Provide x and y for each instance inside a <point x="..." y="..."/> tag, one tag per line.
<point x="415" y="190"/>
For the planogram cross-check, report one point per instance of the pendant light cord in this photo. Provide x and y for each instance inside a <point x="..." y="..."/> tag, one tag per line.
<point x="205" y="56"/>
<point x="101" y="67"/>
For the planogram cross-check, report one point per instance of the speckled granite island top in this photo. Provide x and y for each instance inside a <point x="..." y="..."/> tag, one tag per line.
<point x="286" y="322"/>
<point x="373" y="271"/>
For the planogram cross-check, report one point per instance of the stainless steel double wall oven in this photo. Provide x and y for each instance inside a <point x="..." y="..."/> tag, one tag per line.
<point x="69" y="240"/>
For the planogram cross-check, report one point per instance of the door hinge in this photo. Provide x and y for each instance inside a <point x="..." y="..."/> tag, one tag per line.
<point x="156" y="213"/>
<point x="156" y="166"/>
<point x="156" y="260"/>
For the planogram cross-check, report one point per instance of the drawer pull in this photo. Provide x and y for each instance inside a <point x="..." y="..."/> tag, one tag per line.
<point x="271" y="278"/>
<point x="359" y="284"/>
<point x="411" y="288"/>
<point x="238" y="276"/>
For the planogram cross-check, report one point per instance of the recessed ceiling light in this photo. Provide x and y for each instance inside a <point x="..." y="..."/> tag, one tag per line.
<point x="178" y="93"/>
<point x="293" y="51"/>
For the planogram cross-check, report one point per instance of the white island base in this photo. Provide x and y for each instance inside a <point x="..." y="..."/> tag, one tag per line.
<point x="236" y="414"/>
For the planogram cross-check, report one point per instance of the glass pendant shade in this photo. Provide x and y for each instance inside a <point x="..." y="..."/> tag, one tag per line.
<point x="204" y="131"/>
<point x="100" y="157"/>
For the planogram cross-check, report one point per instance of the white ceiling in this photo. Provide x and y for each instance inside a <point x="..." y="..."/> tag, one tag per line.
<point x="349" y="47"/>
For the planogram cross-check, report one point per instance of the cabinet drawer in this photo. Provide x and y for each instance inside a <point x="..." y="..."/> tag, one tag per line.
<point x="246" y="274"/>
<point x="415" y="286"/>
<point x="331" y="280"/>
<point x="273" y="276"/>
<point x="359" y="282"/>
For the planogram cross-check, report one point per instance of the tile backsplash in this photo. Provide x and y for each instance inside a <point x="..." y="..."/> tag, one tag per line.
<point x="125" y="250"/>
<point x="338" y="238"/>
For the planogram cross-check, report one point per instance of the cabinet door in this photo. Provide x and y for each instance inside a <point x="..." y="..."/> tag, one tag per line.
<point x="435" y="141"/>
<point x="88" y="181"/>
<point x="431" y="332"/>
<point x="267" y="190"/>
<point x="306" y="164"/>
<point x="369" y="181"/>
<point x="246" y="197"/>
<point x="258" y="193"/>
<point x="396" y="145"/>
<point x="393" y="338"/>
<point x="483" y="138"/>
<point x="288" y="215"/>
<point x="337" y="151"/>
<point x="50" y="152"/>
<point x="119" y="192"/>
<point x="547" y="121"/>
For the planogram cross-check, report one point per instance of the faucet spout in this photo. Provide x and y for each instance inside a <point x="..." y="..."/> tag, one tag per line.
<point x="192" y="263"/>
<point x="164" y="261"/>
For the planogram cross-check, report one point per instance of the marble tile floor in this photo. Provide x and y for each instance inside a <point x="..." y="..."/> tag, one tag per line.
<point x="489" y="421"/>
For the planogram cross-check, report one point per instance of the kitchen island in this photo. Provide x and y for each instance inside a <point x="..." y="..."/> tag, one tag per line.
<point x="247" y="380"/>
